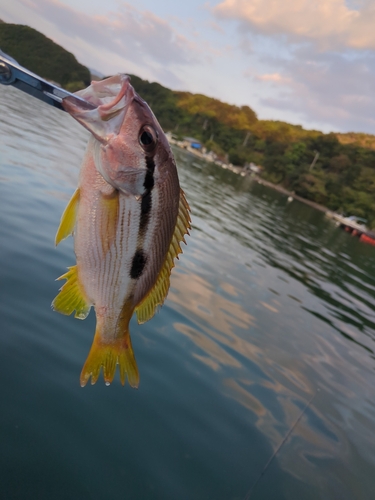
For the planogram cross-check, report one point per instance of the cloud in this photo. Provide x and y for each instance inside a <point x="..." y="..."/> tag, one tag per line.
<point x="272" y="77"/>
<point x="328" y="23"/>
<point x="312" y="59"/>
<point x="321" y="79"/>
<point x="328" y="88"/>
<point x="136" y="35"/>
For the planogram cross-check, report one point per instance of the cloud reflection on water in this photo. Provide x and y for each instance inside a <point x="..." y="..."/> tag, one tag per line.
<point x="218" y="322"/>
<point x="268" y="379"/>
<point x="249" y="256"/>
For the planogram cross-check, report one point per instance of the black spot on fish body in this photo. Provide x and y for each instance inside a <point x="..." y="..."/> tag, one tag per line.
<point x="138" y="264"/>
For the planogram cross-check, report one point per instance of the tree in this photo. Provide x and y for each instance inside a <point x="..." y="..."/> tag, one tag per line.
<point x="41" y="55"/>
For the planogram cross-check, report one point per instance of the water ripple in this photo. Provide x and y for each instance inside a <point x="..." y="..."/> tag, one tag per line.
<point x="269" y="304"/>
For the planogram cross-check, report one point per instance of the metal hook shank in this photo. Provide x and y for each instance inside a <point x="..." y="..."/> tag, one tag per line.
<point x="11" y="73"/>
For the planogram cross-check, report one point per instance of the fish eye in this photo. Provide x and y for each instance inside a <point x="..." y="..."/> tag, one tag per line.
<point x="148" y="138"/>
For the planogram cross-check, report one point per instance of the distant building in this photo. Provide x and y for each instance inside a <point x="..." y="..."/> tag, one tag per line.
<point x="192" y="142"/>
<point x="251" y="167"/>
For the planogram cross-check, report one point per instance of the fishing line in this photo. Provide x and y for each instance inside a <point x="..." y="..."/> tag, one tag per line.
<point x="249" y="493"/>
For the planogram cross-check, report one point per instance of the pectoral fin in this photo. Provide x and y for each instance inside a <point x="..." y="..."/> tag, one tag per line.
<point x="155" y="298"/>
<point x="109" y="213"/>
<point x="71" y="296"/>
<point x="68" y="218"/>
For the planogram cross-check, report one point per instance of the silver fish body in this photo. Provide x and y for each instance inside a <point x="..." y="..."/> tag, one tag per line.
<point x="128" y="216"/>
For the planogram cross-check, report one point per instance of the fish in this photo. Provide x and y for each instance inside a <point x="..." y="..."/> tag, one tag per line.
<point x="128" y="217"/>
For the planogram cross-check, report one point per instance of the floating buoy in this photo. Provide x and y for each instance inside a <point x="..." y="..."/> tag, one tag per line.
<point x="367" y="239"/>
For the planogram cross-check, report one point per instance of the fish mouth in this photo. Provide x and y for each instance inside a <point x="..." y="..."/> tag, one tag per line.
<point x="111" y="98"/>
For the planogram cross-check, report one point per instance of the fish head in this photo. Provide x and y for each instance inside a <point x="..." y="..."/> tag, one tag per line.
<point x="129" y="144"/>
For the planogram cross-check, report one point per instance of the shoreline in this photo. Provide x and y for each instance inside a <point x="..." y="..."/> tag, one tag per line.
<point x="282" y="190"/>
<point x="277" y="187"/>
<point x="240" y="171"/>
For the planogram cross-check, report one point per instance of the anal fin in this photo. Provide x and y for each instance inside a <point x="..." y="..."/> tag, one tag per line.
<point x="71" y="296"/>
<point x="156" y="296"/>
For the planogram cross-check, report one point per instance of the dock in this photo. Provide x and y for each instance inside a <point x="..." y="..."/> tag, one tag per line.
<point x="354" y="226"/>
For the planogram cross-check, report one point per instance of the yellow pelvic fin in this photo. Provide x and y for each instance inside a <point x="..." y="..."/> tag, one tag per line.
<point x="71" y="296"/>
<point x="156" y="296"/>
<point x="108" y="212"/>
<point x="68" y="218"/>
<point x="108" y="355"/>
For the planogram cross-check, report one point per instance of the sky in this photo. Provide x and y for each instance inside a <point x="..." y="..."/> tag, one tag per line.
<point x="307" y="62"/>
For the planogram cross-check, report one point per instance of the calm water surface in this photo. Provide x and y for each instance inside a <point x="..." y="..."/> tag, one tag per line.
<point x="269" y="305"/>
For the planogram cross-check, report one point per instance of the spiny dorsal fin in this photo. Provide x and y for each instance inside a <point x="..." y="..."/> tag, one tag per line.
<point x="71" y="296"/>
<point x="155" y="298"/>
<point x="68" y="218"/>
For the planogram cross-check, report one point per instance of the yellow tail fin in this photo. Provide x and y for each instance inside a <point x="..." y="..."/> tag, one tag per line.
<point x="108" y="355"/>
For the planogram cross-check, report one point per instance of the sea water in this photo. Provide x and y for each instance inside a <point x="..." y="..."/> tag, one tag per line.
<point x="270" y="306"/>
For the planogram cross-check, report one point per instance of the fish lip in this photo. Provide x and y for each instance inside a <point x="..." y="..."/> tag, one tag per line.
<point x="98" y="90"/>
<point x="106" y="118"/>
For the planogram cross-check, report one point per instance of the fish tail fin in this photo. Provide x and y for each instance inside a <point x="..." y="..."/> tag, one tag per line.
<point x="108" y="355"/>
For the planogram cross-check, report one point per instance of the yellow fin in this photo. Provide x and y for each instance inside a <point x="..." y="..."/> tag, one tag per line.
<point x="156" y="296"/>
<point x="109" y="212"/>
<point x="107" y="355"/>
<point x="68" y="218"/>
<point x="71" y="297"/>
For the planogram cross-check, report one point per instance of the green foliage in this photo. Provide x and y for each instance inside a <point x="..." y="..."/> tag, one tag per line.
<point x="312" y="187"/>
<point x="42" y="56"/>
<point x="161" y="100"/>
<point x="75" y="86"/>
<point x="212" y="146"/>
<point x="240" y="118"/>
<point x="342" y="178"/>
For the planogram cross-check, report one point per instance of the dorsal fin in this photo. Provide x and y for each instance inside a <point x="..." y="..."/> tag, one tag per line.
<point x="156" y="296"/>
<point x="68" y="218"/>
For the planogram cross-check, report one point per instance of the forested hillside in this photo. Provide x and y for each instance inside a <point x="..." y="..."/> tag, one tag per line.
<point x="43" y="56"/>
<point x="335" y="170"/>
<point x="342" y="177"/>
